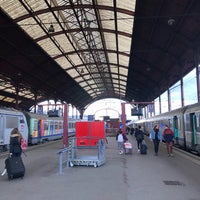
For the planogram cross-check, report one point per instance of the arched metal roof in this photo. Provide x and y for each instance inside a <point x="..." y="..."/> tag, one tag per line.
<point x="80" y="51"/>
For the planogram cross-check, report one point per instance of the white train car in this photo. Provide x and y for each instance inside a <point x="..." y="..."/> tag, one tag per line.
<point x="9" y="119"/>
<point x="185" y="122"/>
<point x="192" y="127"/>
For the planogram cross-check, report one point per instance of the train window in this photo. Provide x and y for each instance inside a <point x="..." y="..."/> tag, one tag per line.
<point x="170" y="122"/>
<point x="56" y="125"/>
<point x="187" y="123"/>
<point x="11" y="122"/>
<point x="21" y="121"/>
<point x="175" y="122"/>
<point x="197" y="119"/>
<point x="71" y="125"/>
<point x="35" y="125"/>
<point x="179" y="124"/>
<point x="45" y="125"/>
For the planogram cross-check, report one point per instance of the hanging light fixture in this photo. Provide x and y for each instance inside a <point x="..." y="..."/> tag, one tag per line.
<point x="82" y="71"/>
<point x="171" y="21"/>
<point x="51" y="29"/>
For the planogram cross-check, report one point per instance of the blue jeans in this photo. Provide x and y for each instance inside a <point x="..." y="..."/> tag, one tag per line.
<point x="120" y="145"/>
<point x="156" y="145"/>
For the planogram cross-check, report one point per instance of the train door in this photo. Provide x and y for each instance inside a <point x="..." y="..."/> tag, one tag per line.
<point x="175" y="126"/>
<point x="1" y="129"/>
<point x="40" y="129"/>
<point x="194" y="129"/>
<point x="34" y="130"/>
<point x="10" y="123"/>
<point x="51" y="127"/>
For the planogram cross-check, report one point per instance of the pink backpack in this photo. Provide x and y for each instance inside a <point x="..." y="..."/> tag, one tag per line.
<point x="23" y="144"/>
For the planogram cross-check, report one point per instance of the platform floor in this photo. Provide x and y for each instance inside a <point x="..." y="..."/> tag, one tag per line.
<point x="122" y="177"/>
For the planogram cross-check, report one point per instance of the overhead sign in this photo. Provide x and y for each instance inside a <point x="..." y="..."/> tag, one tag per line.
<point x="151" y="108"/>
<point x="136" y="112"/>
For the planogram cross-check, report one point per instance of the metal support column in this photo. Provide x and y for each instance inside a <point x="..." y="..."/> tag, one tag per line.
<point x="182" y="94"/>
<point x="65" y="126"/>
<point x="123" y="117"/>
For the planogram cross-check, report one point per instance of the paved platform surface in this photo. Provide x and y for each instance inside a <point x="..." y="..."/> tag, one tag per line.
<point x="122" y="177"/>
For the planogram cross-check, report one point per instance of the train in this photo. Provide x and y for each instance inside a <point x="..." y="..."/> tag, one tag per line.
<point x="34" y="128"/>
<point x="184" y="121"/>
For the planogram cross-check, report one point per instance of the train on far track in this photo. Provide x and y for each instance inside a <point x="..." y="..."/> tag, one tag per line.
<point x="185" y="122"/>
<point x="34" y="128"/>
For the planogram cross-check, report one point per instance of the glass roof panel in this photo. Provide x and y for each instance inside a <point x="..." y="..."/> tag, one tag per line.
<point x="125" y="23"/>
<point x="30" y="26"/>
<point x="110" y="41"/>
<point x="63" y="41"/>
<point x="128" y="4"/>
<point x="116" y="81"/>
<point x="49" y="46"/>
<point x="112" y="58"/>
<point x="14" y="9"/>
<point x="79" y="79"/>
<point x="84" y="84"/>
<point x="105" y="2"/>
<point x="63" y="62"/>
<point x="123" y="60"/>
<point x="124" y="44"/>
<point x="107" y="19"/>
<point x="36" y="5"/>
<point x="73" y="73"/>
<point x="124" y="72"/>
<point x="68" y="47"/>
<point x="114" y="70"/>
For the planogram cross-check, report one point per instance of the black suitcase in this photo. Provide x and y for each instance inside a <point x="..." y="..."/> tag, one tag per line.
<point x="15" y="167"/>
<point x="143" y="149"/>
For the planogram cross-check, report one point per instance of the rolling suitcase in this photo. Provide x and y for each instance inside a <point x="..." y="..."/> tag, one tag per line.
<point x="15" y="167"/>
<point x="128" y="148"/>
<point x="143" y="149"/>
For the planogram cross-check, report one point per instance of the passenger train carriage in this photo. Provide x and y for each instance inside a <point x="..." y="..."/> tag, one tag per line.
<point x="34" y="128"/>
<point x="43" y="128"/>
<point x="9" y="119"/>
<point x="185" y="122"/>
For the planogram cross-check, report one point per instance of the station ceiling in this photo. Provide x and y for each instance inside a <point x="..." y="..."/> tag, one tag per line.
<point x="81" y="51"/>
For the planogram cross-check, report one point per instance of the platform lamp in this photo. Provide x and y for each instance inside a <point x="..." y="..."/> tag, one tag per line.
<point x="81" y="71"/>
<point x="171" y="21"/>
<point x="51" y="29"/>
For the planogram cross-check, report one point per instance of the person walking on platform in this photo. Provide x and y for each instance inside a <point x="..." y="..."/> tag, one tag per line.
<point x="156" y="136"/>
<point x="139" y="135"/>
<point x="121" y="138"/>
<point x="15" y="143"/>
<point x="168" y="136"/>
<point x="132" y="131"/>
<point x="15" y="146"/>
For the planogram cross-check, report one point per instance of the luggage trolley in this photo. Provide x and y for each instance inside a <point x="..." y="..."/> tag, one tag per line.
<point x="128" y="148"/>
<point x="87" y="155"/>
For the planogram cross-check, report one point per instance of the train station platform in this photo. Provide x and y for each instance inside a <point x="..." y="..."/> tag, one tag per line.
<point x="122" y="177"/>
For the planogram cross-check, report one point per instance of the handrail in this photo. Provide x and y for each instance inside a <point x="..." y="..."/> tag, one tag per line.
<point x="64" y="150"/>
<point x="71" y="150"/>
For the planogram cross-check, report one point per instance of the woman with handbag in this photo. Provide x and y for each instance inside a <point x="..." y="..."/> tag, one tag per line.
<point x="15" y="147"/>
<point x="15" y="143"/>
